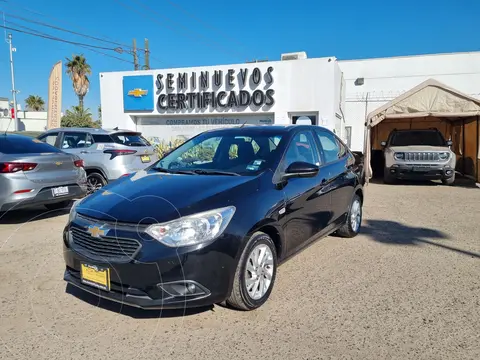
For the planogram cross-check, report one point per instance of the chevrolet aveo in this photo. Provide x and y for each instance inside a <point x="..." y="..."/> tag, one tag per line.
<point x="211" y="221"/>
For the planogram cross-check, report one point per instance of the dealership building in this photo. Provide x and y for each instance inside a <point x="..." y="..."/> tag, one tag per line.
<point x="339" y="95"/>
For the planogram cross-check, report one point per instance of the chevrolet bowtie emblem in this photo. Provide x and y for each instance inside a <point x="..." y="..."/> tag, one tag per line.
<point x="137" y="93"/>
<point x="58" y="163"/>
<point x="95" y="231"/>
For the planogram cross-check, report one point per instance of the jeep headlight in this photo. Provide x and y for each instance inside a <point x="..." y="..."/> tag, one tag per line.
<point x="443" y="156"/>
<point x="193" y="229"/>
<point x="399" y="156"/>
<point x="73" y="211"/>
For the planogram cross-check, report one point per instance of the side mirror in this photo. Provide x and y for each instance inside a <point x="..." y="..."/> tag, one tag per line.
<point x="449" y="142"/>
<point x="301" y="169"/>
<point x="383" y="143"/>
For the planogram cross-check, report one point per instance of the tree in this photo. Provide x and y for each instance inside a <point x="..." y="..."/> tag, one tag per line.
<point x="77" y="70"/>
<point x="35" y="103"/>
<point x="78" y="117"/>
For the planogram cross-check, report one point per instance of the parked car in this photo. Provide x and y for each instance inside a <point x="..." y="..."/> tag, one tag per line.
<point x="418" y="155"/>
<point x="108" y="154"/>
<point x="34" y="173"/>
<point x="185" y="232"/>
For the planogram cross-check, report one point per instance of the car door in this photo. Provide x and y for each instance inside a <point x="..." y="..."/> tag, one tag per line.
<point x="307" y="208"/>
<point x="78" y="143"/>
<point x="338" y="173"/>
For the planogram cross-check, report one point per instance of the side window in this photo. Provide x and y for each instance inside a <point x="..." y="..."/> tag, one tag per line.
<point x="49" y="138"/>
<point x="301" y="148"/>
<point x="332" y="149"/>
<point x="101" y="138"/>
<point x="76" y="140"/>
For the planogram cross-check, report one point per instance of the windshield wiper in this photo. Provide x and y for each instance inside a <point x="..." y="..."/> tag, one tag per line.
<point x="214" y="172"/>
<point x="188" y="172"/>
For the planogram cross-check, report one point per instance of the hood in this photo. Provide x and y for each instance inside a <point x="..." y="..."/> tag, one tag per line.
<point x="419" y="148"/>
<point x="148" y="197"/>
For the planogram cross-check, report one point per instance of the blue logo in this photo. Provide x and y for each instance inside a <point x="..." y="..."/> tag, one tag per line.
<point x="138" y="93"/>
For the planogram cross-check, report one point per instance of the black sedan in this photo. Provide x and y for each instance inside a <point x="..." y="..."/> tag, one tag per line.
<point x="211" y="221"/>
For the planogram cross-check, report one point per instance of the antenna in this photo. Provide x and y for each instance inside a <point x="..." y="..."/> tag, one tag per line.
<point x="241" y="126"/>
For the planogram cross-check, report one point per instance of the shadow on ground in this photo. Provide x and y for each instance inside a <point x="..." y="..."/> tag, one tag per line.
<point x="133" y="312"/>
<point x="395" y="233"/>
<point x="459" y="182"/>
<point x="22" y="216"/>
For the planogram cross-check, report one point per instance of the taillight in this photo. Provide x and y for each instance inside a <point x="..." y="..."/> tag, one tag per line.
<point x="12" y="167"/>
<point x="116" y="152"/>
<point x="79" y="163"/>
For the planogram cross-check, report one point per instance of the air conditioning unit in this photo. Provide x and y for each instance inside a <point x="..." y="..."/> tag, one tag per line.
<point x="301" y="55"/>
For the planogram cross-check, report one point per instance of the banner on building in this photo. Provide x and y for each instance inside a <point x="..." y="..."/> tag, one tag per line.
<point x="55" y="96"/>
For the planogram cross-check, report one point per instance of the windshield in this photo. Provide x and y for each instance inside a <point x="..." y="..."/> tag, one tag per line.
<point x="245" y="154"/>
<point x="421" y="137"/>
<point x="130" y="139"/>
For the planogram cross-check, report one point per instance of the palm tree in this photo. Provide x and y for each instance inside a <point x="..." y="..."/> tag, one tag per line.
<point x="77" y="117"/>
<point x="35" y="103"/>
<point x="77" y="70"/>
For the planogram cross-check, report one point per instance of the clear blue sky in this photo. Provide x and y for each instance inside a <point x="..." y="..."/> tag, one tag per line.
<point x="224" y="32"/>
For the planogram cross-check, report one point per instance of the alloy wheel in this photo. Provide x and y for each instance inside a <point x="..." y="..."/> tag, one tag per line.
<point x="259" y="271"/>
<point x="356" y="215"/>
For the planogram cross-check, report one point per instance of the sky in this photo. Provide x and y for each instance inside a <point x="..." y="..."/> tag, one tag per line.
<point x="197" y="33"/>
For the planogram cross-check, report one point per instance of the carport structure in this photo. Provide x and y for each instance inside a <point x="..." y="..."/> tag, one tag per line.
<point x="430" y="104"/>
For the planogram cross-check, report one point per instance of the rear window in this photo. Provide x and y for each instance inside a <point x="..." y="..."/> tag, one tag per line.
<point x="24" y="145"/>
<point x="130" y="139"/>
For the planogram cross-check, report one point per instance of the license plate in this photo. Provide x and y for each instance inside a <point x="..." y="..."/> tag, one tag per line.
<point x="59" y="191"/>
<point x="420" y="169"/>
<point x="95" y="276"/>
<point x="145" y="158"/>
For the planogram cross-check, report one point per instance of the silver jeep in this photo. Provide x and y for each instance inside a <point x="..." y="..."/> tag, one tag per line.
<point x="418" y="155"/>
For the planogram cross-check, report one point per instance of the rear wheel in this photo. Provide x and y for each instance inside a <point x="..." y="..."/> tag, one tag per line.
<point x="255" y="274"/>
<point x="59" y="205"/>
<point x="354" y="220"/>
<point x="95" y="181"/>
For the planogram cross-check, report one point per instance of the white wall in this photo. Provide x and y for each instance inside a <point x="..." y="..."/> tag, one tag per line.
<point x="301" y="87"/>
<point x="387" y="78"/>
<point x="27" y="120"/>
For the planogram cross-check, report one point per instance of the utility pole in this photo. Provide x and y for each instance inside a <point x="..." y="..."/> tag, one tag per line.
<point x="147" y="55"/>
<point x="14" y="91"/>
<point x="135" y="56"/>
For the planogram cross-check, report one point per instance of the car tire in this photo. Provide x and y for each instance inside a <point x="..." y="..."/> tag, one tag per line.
<point x="387" y="177"/>
<point x="352" y="225"/>
<point x="95" y="181"/>
<point x="59" y="205"/>
<point x="449" y="181"/>
<point x="246" y="293"/>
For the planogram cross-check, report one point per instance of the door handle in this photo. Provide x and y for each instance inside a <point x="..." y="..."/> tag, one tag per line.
<point x="83" y="152"/>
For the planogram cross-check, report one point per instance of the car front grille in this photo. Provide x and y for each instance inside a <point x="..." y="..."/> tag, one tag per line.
<point x="421" y="156"/>
<point x="104" y="247"/>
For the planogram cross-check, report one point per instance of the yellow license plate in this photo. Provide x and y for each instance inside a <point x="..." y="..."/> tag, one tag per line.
<point x="95" y="276"/>
<point x="145" y="158"/>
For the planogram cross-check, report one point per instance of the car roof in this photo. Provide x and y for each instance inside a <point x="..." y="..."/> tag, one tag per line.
<point x="102" y="131"/>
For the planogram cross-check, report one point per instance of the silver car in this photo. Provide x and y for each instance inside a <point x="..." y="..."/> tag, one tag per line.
<point x="34" y="173"/>
<point x="108" y="154"/>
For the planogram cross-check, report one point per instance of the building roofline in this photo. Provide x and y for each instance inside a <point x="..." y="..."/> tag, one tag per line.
<point x="411" y="56"/>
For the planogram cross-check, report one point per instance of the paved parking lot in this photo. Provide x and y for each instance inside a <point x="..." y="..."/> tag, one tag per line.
<point x="408" y="287"/>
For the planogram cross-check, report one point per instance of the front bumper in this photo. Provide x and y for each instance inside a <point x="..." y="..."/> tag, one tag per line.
<point x="42" y="197"/>
<point x="158" y="277"/>
<point x="421" y="171"/>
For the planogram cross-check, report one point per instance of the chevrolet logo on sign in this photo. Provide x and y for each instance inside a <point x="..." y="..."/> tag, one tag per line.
<point x="138" y="93"/>
<point x="96" y="231"/>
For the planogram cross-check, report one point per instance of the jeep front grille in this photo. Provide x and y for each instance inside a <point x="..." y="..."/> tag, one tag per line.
<point x="421" y="156"/>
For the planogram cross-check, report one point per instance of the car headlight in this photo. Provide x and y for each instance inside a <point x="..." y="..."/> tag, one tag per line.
<point x="399" y="156"/>
<point x="193" y="229"/>
<point x="443" y="155"/>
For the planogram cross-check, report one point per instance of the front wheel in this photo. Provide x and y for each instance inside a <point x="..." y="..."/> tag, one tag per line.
<point x="354" y="220"/>
<point x="95" y="181"/>
<point x="255" y="273"/>
<point x="449" y="181"/>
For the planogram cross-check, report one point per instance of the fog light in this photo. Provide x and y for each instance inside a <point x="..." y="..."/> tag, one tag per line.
<point x="392" y="171"/>
<point x="449" y="172"/>
<point x="183" y="288"/>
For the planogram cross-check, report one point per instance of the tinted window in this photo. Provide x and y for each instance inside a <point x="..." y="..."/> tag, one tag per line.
<point x="102" y="138"/>
<point x="332" y="149"/>
<point x="419" y="137"/>
<point x="129" y="139"/>
<point x="301" y="148"/>
<point x="245" y="154"/>
<point x="24" y="145"/>
<point x="76" y="140"/>
<point x="49" y="139"/>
